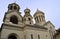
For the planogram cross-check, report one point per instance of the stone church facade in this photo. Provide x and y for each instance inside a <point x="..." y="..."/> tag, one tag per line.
<point x="15" y="26"/>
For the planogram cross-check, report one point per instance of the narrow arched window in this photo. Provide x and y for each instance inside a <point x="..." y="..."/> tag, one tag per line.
<point x="15" y="7"/>
<point x="24" y="36"/>
<point x="31" y="36"/>
<point x="38" y="36"/>
<point x="14" y="19"/>
<point x="29" y="19"/>
<point x="10" y="7"/>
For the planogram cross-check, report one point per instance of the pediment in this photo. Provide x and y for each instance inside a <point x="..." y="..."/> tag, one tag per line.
<point x="49" y="24"/>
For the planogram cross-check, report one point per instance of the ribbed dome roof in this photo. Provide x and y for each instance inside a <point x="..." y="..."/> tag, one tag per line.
<point x="38" y="11"/>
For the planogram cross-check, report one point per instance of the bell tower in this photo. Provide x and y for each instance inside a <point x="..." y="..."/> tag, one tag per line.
<point x="27" y="19"/>
<point x="12" y="23"/>
<point x="13" y="15"/>
<point x="39" y="17"/>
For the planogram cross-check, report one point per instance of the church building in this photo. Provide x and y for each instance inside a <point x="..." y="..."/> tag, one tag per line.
<point x="16" y="26"/>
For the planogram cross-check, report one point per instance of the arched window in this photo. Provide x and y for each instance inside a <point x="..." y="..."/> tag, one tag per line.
<point x="38" y="36"/>
<point x="11" y="7"/>
<point x="14" y="19"/>
<point x="24" y="36"/>
<point x="29" y="19"/>
<point x="15" y="7"/>
<point x="31" y="36"/>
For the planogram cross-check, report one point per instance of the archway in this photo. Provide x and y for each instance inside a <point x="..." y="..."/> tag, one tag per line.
<point x="14" y="19"/>
<point x="12" y="36"/>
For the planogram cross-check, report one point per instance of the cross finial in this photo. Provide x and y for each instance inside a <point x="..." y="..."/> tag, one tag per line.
<point x="26" y="7"/>
<point x="37" y="9"/>
<point x="15" y="2"/>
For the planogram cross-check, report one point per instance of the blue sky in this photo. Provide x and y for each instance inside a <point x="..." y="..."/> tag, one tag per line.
<point x="51" y="8"/>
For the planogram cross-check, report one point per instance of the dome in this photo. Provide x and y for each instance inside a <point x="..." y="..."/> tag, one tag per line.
<point x="27" y="10"/>
<point x="13" y="6"/>
<point x="38" y="12"/>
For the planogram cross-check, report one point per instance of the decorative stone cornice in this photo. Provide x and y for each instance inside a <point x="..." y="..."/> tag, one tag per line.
<point x="36" y="26"/>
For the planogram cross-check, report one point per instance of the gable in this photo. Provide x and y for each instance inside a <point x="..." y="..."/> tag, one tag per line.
<point x="49" y="24"/>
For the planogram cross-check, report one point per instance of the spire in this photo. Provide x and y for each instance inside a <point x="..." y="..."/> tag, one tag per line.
<point x="38" y="11"/>
<point x="14" y="1"/>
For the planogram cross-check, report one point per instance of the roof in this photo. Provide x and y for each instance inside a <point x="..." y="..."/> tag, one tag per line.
<point x="38" y="11"/>
<point x="47" y="23"/>
<point x="27" y="9"/>
<point x="58" y="32"/>
<point x="14" y="4"/>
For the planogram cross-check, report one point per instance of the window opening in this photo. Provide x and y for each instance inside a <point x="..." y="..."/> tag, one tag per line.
<point x="15" y="7"/>
<point x="12" y="37"/>
<point x="38" y="36"/>
<point x="14" y="19"/>
<point x="10" y="7"/>
<point x="29" y="19"/>
<point x="31" y="36"/>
